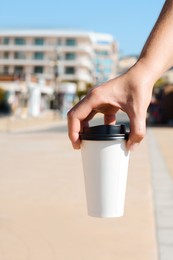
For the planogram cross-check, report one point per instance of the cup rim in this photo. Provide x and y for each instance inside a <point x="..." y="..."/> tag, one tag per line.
<point x="104" y="133"/>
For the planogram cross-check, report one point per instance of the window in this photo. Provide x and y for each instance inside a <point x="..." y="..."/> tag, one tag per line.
<point x="70" y="42"/>
<point x="69" y="70"/>
<point x="97" y="61"/>
<point x="6" y="55"/>
<point x="19" y="41"/>
<point x="39" y="41"/>
<point x="6" y="41"/>
<point x="102" y="52"/>
<point x="19" y="55"/>
<point x="59" y="42"/>
<point x="108" y="62"/>
<point x="38" y="69"/>
<point x="18" y="70"/>
<point x="6" y="70"/>
<point x="38" y="55"/>
<point x="70" y="56"/>
<point x="98" y="70"/>
<point x="103" y="42"/>
<point x="107" y="70"/>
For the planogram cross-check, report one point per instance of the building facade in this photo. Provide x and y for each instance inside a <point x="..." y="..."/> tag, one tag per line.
<point x="86" y="58"/>
<point x="125" y="63"/>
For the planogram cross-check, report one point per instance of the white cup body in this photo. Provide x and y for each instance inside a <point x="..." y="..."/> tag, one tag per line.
<point x="105" y="165"/>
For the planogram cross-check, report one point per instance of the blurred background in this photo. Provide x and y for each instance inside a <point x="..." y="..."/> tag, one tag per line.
<point x="51" y="54"/>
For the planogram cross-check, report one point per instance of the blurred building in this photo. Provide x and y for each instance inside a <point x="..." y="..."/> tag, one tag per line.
<point x="168" y="76"/>
<point x="125" y="63"/>
<point x="86" y="58"/>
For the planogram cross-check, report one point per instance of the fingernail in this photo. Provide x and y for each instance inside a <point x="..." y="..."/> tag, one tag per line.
<point x="76" y="145"/>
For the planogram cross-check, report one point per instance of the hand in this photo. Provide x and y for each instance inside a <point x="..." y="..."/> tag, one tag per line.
<point x="130" y="93"/>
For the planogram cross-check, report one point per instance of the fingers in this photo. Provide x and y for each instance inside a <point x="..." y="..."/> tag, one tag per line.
<point x="137" y="131"/>
<point x="85" y="122"/>
<point x="73" y="130"/>
<point x="100" y="100"/>
<point x="77" y="118"/>
<point x="109" y="119"/>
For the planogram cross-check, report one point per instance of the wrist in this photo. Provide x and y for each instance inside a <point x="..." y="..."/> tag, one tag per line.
<point x="145" y="73"/>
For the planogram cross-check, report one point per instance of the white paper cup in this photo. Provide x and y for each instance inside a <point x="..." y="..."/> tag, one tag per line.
<point x="105" y="164"/>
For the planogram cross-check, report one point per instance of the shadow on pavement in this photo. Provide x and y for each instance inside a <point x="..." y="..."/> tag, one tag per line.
<point x="62" y="128"/>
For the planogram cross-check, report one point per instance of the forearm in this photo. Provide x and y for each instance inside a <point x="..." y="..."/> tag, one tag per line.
<point x="157" y="54"/>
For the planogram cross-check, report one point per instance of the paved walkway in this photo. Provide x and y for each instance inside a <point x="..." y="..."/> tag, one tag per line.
<point x="42" y="202"/>
<point x="15" y="124"/>
<point x="161" y="142"/>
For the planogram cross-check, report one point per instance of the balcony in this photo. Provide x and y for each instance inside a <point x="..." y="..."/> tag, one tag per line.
<point x="63" y="48"/>
<point x="23" y="62"/>
<point x="77" y="48"/>
<point x="84" y="77"/>
<point x="31" y="48"/>
<point x="71" y="77"/>
<point x="80" y="62"/>
<point x="85" y="63"/>
<point x="76" y="77"/>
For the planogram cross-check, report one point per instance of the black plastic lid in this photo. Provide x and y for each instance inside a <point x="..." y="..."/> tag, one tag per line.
<point x="104" y="133"/>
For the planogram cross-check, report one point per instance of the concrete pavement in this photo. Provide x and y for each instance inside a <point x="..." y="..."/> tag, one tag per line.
<point x="160" y="142"/>
<point x="15" y="124"/>
<point x="43" y="209"/>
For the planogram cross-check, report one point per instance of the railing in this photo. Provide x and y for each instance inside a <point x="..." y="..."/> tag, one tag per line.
<point x="46" y="47"/>
<point x="27" y="47"/>
<point x="77" y="76"/>
<point x="24" y="62"/>
<point x="81" y="62"/>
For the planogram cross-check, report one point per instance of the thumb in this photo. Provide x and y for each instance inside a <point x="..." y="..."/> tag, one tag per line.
<point x="137" y="131"/>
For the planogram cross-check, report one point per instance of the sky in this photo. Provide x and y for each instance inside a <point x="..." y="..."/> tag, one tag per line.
<point x="130" y="21"/>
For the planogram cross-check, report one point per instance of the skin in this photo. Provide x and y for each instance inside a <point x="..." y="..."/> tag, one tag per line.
<point x="130" y="92"/>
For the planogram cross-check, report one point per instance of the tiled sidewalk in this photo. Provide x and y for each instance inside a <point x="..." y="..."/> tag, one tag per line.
<point x="12" y="124"/>
<point x="42" y="204"/>
<point x="161" y="152"/>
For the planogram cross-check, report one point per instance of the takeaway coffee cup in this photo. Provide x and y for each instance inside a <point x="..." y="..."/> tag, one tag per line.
<point x="105" y="164"/>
